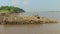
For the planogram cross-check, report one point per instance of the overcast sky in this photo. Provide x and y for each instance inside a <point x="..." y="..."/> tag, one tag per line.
<point x="33" y="5"/>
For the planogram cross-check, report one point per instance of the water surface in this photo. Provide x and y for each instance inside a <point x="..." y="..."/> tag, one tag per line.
<point x="34" y="28"/>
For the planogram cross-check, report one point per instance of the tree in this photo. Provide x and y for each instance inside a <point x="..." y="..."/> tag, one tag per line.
<point x="10" y="9"/>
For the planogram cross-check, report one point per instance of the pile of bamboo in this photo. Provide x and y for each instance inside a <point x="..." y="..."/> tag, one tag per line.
<point x="24" y="20"/>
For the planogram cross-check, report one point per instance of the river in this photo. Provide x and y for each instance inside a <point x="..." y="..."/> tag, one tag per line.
<point x="34" y="28"/>
<point x="31" y="29"/>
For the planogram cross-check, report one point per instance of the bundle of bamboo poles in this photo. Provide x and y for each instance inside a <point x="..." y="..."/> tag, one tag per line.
<point x="12" y="19"/>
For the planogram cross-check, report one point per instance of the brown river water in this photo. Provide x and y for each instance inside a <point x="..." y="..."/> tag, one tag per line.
<point x="31" y="29"/>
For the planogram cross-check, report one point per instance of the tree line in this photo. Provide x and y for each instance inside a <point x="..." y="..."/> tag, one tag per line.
<point x="10" y="9"/>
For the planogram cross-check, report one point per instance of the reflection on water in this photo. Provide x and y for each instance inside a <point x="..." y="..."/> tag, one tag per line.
<point x="31" y="29"/>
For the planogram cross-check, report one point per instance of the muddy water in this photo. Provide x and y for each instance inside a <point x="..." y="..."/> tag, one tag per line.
<point x="34" y="28"/>
<point x="31" y="29"/>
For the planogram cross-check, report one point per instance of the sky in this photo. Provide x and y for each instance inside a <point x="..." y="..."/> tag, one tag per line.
<point x="33" y="5"/>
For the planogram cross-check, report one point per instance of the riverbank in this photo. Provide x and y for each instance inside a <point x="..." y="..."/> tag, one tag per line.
<point x="11" y="19"/>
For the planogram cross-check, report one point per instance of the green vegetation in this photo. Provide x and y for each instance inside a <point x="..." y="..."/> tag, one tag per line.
<point x="10" y="9"/>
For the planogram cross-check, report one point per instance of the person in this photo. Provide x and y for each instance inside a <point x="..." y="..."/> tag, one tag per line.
<point x="38" y="17"/>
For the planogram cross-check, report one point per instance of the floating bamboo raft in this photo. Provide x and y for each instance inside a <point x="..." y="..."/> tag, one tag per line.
<point x="25" y="20"/>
